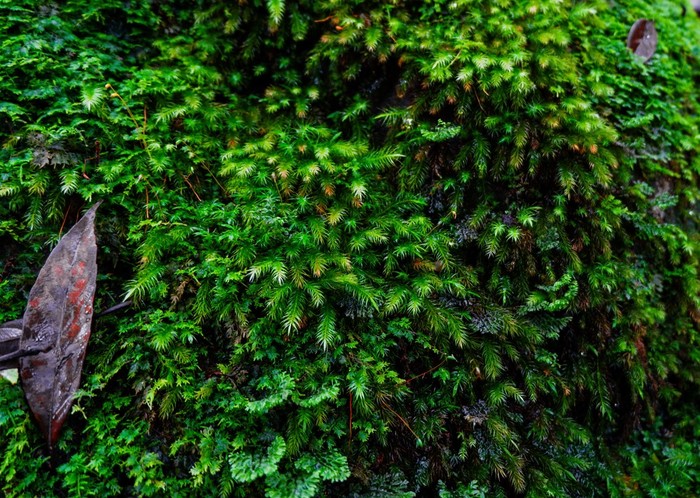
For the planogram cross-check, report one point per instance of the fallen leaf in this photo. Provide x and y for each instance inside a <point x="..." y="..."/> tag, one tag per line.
<point x="56" y="327"/>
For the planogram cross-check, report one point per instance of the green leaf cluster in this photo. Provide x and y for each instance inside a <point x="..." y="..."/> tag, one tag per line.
<point x="374" y="248"/>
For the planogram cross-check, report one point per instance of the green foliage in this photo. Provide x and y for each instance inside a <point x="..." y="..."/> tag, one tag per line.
<point x="375" y="248"/>
<point x="662" y="462"/>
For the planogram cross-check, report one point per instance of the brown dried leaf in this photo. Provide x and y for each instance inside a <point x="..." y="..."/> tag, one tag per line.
<point x="9" y="343"/>
<point x="56" y="326"/>
<point x="642" y="39"/>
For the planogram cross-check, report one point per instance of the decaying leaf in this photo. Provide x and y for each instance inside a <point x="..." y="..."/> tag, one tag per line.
<point x="56" y="327"/>
<point x="9" y="344"/>
<point x="642" y="39"/>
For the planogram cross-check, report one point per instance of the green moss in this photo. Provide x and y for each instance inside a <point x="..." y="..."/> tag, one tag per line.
<point x="375" y="248"/>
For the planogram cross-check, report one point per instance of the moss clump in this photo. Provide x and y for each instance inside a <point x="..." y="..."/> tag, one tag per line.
<point x="376" y="248"/>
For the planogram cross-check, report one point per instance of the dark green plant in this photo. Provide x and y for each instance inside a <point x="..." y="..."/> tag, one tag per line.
<point x="375" y="248"/>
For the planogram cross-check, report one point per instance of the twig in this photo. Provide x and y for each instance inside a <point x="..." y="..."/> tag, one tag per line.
<point x="114" y="308"/>
<point x="385" y="405"/>
<point x="133" y="118"/>
<point x="63" y="223"/>
<point x="426" y="372"/>
<point x="350" y="422"/>
<point x="191" y="187"/>
<point x="215" y="178"/>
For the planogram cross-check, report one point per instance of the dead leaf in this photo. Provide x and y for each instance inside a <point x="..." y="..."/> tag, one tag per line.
<point x="9" y="343"/>
<point x="56" y="327"/>
<point x="642" y="39"/>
